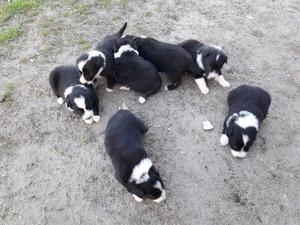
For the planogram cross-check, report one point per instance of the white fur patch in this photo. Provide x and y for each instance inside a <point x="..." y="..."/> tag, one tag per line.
<point x="234" y="115"/>
<point x="60" y="100"/>
<point x="247" y="119"/>
<point x="124" y="88"/>
<point x="217" y="57"/>
<point x="216" y="47"/>
<point x="140" y="171"/>
<point x="123" y="49"/>
<point x="96" y="118"/>
<point x="91" y="54"/>
<point x="81" y="65"/>
<point x="220" y="79"/>
<point x="138" y="199"/>
<point x="202" y="85"/>
<point x="245" y="139"/>
<point x="88" y="114"/>
<point x="166" y="88"/>
<point x="88" y="121"/>
<point x="109" y="90"/>
<point x="237" y="154"/>
<point x="199" y="61"/>
<point x="212" y="75"/>
<point x="163" y="192"/>
<point x="68" y="91"/>
<point x="224" y="140"/>
<point x="142" y="100"/>
<point x="80" y="102"/>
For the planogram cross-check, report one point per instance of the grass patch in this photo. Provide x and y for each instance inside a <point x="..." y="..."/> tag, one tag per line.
<point x="9" y="34"/>
<point x="106" y="3"/>
<point x="8" y="92"/>
<point x="84" y="45"/>
<point x="82" y="10"/>
<point x="17" y="6"/>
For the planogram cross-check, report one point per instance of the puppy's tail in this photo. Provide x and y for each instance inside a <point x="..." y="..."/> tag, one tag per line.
<point x="121" y="31"/>
<point x="124" y="106"/>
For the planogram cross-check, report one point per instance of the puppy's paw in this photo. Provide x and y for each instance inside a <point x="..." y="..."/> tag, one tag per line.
<point x="142" y="100"/>
<point x="138" y="199"/>
<point x="241" y="154"/>
<point x="60" y="100"/>
<point x="224" y="140"/>
<point x="166" y="88"/>
<point x="109" y="90"/>
<point x="88" y="121"/>
<point x="225" y="84"/>
<point x="204" y="90"/>
<point x="96" y="118"/>
<point x="124" y="88"/>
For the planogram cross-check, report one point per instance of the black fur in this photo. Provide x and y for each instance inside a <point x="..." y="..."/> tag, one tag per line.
<point x="170" y="59"/>
<point x="245" y="98"/>
<point x="123" y="142"/>
<point x="106" y="46"/>
<point x="135" y="72"/>
<point x="63" y="77"/>
<point x="209" y="54"/>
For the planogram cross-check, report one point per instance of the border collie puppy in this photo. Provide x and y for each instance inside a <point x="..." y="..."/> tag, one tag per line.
<point x="99" y="61"/>
<point x="210" y="59"/>
<point x="82" y="99"/>
<point x="248" y="107"/>
<point x="134" y="71"/>
<point x="170" y="59"/>
<point x="133" y="169"/>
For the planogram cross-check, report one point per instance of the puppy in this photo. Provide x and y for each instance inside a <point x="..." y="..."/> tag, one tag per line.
<point x="248" y="107"/>
<point x="170" y="59"/>
<point x="82" y="99"/>
<point x="133" y="169"/>
<point x="99" y="61"/>
<point x="210" y="59"/>
<point x="135" y="72"/>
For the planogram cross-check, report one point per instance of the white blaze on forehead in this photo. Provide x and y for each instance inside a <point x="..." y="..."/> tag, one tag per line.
<point x="245" y="139"/>
<point x="163" y="192"/>
<point x="123" y="49"/>
<point x="240" y="154"/>
<point x="140" y="171"/>
<point x="80" y="65"/>
<point x="199" y="61"/>
<point x="247" y="119"/>
<point x="69" y="90"/>
<point x="80" y="102"/>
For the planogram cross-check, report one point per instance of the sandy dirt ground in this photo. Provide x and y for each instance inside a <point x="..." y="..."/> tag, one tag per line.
<point x="54" y="168"/>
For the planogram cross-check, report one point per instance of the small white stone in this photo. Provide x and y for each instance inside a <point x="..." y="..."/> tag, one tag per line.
<point x="207" y="125"/>
<point x="142" y="100"/>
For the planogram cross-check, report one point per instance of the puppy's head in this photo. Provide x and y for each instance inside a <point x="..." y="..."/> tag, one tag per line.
<point x="90" y="65"/>
<point x="212" y="58"/>
<point x="80" y="100"/>
<point x="241" y="131"/>
<point x="145" y="182"/>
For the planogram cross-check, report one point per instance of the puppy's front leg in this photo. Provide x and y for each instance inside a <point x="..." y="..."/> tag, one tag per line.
<point x="96" y="116"/>
<point x="110" y="84"/>
<point x="201" y="83"/>
<point x="224" y="138"/>
<point x="220" y="79"/>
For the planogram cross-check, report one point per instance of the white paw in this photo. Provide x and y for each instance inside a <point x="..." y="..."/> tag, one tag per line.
<point x="109" y="90"/>
<point x="225" y="84"/>
<point x="204" y="90"/>
<point x="166" y="88"/>
<point x="124" y="88"/>
<point x="96" y="118"/>
<point x="224" y="140"/>
<point x="60" y="100"/>
<point x="241" y="154"/>
<point x="138" y="199"/>
<point x="142" y="100"/>
<point x="88" y="121"/>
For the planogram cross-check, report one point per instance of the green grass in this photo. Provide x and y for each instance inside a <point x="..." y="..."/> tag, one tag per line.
<point x="9" y="34"/>
<point x="82" y="10"/>
<point x="17" y="6"/>
<point x="106" y="3"/>
<point x="8" y="92"/>
<point x="84" y="45"/>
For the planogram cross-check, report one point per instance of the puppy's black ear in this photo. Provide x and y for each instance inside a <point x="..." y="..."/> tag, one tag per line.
<point x="85" y="72"/>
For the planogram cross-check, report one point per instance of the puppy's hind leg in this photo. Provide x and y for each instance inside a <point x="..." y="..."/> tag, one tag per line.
<point x="176" y="81"/>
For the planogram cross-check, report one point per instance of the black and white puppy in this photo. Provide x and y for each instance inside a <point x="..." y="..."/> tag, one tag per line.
<point x="210" y="59"/>
<point x="134" y="71"/>
<point x="99" y="61"/>
<point x="82" y="99"/>
<point x="133" y="169"/>
<point x="170" y="59"/>
<point x="248" y="107"/>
